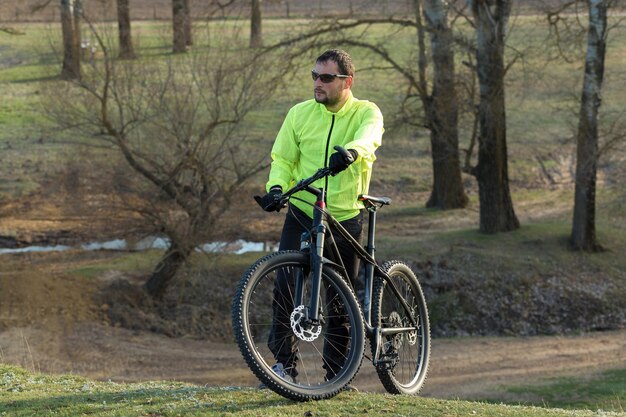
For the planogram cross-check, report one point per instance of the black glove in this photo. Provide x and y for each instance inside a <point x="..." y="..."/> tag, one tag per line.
<point x="271" y="201"/>
<point x="338" y="162"/>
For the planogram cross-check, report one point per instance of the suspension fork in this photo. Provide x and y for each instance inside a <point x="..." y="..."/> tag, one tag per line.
<point x="317" y="253"/>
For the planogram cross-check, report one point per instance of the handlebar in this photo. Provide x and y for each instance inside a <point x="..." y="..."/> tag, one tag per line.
<point x="319" y="174"/>
<point x="305" y="184"/>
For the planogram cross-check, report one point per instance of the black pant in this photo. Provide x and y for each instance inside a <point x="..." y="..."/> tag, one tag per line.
<point x="281" y="339"/>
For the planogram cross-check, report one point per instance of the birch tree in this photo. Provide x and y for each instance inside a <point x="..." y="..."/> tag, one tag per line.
<point x="583" y="236"/>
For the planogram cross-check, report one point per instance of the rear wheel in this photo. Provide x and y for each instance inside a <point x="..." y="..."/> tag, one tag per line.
<point x="404" y="354"/>
<point x="269" y="324"/>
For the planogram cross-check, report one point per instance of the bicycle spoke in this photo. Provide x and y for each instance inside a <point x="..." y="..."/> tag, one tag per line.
<point x="273" y="329"/>
<point x="404" y="357"/>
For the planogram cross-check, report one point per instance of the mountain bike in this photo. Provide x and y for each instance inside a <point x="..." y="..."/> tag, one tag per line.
<point x="392" y="314"/>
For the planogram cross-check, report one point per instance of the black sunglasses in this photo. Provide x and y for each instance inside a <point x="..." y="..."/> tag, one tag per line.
<point x="326" y="78"/>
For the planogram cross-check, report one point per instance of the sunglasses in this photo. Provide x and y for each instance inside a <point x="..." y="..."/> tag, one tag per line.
<point x="326" y="78"/>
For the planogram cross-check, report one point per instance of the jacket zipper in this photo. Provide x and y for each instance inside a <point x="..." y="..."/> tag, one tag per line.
<point x="330" y="132"/>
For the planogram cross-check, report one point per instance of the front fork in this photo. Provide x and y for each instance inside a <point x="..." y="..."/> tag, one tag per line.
<point x="314" y="241"/>
<point x="317" y="255"/>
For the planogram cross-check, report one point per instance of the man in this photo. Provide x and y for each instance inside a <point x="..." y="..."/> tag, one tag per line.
<point x="305" y="143"/>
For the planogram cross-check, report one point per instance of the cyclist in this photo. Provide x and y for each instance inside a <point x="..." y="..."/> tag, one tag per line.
<point x="305" y="143"/>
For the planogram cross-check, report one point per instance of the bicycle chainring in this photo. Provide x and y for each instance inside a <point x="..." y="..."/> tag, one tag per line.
<point x="301" y="328"/>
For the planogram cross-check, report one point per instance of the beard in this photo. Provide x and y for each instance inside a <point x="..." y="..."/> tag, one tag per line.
<point x="324" y="98"/>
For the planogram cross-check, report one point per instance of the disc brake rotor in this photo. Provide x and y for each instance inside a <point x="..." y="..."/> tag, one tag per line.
<point x="303" y="330"/>
<point x="395" y="321"/>
<point x="411" y="337"/>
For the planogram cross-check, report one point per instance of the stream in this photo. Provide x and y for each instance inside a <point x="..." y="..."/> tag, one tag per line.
<point x="237" y="247"/>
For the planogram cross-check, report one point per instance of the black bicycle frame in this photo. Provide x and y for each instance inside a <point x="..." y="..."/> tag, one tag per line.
<point x="317" y="239"/>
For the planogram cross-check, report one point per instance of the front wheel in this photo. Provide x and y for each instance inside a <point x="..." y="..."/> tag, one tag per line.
<point x="404" y="344"/>
<point x="271" y="325"/>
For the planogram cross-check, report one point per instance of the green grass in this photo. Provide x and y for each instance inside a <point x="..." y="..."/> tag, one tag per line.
<point x="24" y="393"/>
<point x="603" y="391"/>
<point x="135" y="263"/>
<point x="142" y="263"/>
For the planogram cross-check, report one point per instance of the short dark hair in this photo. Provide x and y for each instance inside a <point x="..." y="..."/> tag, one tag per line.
<point x="341" y="58"/>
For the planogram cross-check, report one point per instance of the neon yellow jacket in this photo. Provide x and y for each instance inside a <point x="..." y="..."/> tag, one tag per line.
<point x="305" y="142"/>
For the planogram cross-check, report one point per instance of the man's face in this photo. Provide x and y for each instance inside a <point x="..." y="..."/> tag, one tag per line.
<point x="331" y="93"/>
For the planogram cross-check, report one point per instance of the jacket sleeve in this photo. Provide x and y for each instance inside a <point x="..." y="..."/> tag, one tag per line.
<point x="285" y="154"/>
<point x="368" y="136"/>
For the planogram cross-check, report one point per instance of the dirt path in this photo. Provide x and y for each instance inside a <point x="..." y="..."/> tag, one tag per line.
<point x="49" y="323"/>
<point x="460" y="368"/>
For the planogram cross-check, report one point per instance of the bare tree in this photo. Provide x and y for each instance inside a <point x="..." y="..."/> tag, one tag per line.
<point x="177" y="122"/>
<point x="188" y="23"/>
<point x="566" y="23"/>
<point x="70" y="26"/>
<point x="256" y="20"/>
<point x="442" y="109"/>
<point x="496" y="206"/>
<point x="123" y="22"/>
<point x="179" y="16"/>
<point x="434" y="108"/>
<point x="583" y="235"/>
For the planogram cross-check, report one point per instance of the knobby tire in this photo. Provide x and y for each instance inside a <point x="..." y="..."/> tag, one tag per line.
<point x="405" y="356"/>
<point x="252" y="315"/>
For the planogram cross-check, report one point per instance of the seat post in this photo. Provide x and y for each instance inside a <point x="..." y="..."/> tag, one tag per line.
<point x="369" y="268"/>
<point x="371" y="231"/>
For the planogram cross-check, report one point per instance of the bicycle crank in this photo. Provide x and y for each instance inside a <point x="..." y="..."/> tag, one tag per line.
<point x="302" y="327"/>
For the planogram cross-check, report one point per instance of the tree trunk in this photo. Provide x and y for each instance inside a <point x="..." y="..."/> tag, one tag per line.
<point x="178" y="26"/>
<point x="442" y="113"/>
<point x="256" y="35"/>
<point x="188" y="21"/>
<point x="583" y="226"/>
<point x="70" y="26"/>
<point x="166" y="270"/>
<point x="496" y="207"/>
<point x="123" y="23"/>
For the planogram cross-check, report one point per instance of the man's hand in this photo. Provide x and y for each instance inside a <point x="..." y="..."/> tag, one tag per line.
<point x="338" y="161"/>
<point x="271" y="201"/>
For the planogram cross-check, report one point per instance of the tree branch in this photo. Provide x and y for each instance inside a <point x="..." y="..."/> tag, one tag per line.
<point x="11" y="31"/>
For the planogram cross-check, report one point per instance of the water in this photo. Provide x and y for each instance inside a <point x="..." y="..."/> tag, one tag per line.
<point x="237" y="247"/>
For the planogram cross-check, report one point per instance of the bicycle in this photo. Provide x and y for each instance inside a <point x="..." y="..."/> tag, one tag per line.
<point x="394" y="315"/>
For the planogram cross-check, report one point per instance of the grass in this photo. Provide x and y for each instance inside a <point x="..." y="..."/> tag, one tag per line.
<point x="603" y="391"/>
<point x="24" y="393"/>
<point x="129" y="263"/>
